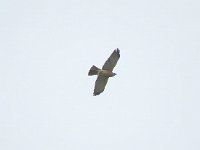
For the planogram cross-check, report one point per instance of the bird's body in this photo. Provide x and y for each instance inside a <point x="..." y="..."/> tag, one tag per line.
<point x="104" y="73"/>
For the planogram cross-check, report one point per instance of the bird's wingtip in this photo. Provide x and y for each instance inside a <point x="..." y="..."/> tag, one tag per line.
<point x="117" y="51"/>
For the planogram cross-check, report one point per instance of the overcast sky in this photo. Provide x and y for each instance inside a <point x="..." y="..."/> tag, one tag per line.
<point x="47" y="48"/>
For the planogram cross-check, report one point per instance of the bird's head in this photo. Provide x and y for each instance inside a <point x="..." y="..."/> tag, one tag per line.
<point x="113" y="74"/>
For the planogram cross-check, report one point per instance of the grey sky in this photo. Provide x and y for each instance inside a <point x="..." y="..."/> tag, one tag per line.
<point x="47" y="48"/>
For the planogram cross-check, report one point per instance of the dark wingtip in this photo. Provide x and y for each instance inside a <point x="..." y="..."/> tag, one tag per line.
<point x="118" y="52"/>
<point x="96" y="93"/>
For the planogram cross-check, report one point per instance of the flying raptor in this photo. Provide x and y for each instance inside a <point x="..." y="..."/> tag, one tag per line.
<point x="104" y="73"/>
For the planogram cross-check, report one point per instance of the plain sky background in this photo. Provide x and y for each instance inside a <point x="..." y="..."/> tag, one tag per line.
<point x="47" y="48"/>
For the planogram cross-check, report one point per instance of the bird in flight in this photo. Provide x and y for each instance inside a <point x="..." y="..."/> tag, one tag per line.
<point x="104" y="73"/>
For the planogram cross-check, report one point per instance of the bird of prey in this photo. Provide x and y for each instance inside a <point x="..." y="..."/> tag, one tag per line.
<point x="104" y="73"/>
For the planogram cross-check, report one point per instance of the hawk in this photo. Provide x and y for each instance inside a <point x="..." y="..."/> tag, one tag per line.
<point x="104" y="73"/>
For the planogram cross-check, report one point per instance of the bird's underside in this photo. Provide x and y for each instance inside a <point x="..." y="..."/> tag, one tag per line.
<point x="104" y="73"/>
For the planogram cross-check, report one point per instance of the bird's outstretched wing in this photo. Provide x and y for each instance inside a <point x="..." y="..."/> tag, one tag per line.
<point x="100" y="84"/>
<point x="112" y="60"/>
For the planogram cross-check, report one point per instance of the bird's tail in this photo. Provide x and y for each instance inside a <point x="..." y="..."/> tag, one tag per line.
<point x="93" y="71"/>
